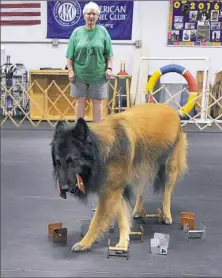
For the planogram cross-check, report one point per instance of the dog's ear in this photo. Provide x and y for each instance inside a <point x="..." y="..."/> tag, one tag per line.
<point x="59" y="126"/>
<point x="80" y="130"/>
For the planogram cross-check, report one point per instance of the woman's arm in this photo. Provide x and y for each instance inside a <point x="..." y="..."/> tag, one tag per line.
<point x="69" y="57"/>
<point x="70" y="64"/>
<point x="110" y="63"/>
<point x="70" y="70"/>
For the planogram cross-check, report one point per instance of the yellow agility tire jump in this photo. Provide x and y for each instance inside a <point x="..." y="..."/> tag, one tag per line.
<point x="192" y="84"/>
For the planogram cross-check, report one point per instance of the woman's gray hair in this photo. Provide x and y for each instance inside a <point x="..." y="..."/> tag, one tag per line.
<point x="91" y="5"/>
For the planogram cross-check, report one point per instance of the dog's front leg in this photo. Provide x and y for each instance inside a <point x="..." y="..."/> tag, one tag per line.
<point x="106" y="210"/>
<point x="124" y="221"/>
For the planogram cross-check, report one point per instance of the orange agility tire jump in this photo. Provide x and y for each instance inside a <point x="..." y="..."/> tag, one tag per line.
<point x="192" y="84"/>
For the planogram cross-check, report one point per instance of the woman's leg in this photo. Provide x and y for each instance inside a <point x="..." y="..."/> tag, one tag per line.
<point x="98" y="92"/>
<point x="80" y="107"/>
<point x="97" y="110"/>
<point x="79" y="91"/>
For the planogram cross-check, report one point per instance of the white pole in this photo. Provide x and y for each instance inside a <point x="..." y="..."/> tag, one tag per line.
<point x="203" y="116"/>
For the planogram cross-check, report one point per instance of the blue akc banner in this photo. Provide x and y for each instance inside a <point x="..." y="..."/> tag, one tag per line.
<point x="64" y="16"/>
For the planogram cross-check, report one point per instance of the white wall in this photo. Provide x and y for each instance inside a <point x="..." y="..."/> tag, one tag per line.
<point x="150" y="25"/>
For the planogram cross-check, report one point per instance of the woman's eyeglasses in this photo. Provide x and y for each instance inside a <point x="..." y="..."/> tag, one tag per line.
<point x="93" y="14"/>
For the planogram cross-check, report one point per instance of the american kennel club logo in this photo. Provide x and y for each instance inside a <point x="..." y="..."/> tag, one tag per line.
<point x="67" y="13"/>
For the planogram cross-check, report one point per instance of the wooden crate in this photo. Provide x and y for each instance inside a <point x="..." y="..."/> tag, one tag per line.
<point x="50" y="98"/>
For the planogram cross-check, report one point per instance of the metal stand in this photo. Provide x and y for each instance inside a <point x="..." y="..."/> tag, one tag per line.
<point x="139" y="234"/>
<point x="197" y="233"/>
<point x="117" y="251"/>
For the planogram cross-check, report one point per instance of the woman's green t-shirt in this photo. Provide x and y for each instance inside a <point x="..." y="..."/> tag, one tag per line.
<point x="89" y="50"/>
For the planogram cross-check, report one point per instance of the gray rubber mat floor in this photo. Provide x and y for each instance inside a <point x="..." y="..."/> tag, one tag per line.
<point x="29" y="202"/>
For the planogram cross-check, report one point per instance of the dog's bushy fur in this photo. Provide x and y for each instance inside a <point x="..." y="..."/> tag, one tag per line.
<point x="119" y="155"/>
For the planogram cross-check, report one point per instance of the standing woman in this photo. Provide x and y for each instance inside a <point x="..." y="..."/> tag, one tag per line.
<point x="90" y="61"/>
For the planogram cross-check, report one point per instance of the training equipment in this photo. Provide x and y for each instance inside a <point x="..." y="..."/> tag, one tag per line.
<point x="117" y="251"/>
<point x="52" y="227"/>
<point x="159" y="244"/>
<point x="138" y="234"/>
<point x="122" y="69"/>
<point x="192" y="84"/>
<point x="187" y="218"/>
<point x="197" y="233"/>
<point x="159" y="216"/>
<point x="57" y="233"/>
<point x="60" y="236"/>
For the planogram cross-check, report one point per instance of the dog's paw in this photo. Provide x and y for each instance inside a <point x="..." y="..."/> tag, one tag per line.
<point x="167" y="219"/>
<point x="137" y="215"/>
<point x="123" y="246"/>
<point x="78" y="247"/>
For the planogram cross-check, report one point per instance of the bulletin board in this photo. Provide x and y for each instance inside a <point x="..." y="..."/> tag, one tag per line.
<point x="195" y="23"/>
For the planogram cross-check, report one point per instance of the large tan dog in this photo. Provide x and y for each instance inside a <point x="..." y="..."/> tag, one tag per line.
<point x="121" y="154"/>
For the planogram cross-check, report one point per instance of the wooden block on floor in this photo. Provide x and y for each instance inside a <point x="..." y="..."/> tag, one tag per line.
<point x="187" y="218"/>
<point x="52" y="227"/>
<point x="60" y="235"/>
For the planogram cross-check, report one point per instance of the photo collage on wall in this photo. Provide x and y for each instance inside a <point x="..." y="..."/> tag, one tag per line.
<point x="195" y="23"/>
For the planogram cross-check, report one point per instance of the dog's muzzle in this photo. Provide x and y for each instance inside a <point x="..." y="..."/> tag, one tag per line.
<point x="64" y="189"/>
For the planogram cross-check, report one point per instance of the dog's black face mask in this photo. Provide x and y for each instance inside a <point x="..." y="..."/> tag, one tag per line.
<point x="72" y="158"/>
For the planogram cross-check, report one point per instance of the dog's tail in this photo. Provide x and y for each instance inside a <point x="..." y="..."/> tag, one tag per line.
<point x="176" y="163"/>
